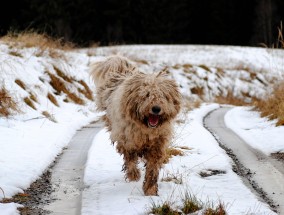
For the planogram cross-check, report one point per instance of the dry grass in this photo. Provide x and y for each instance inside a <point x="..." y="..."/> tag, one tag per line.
<point x="190" y="205"/>
<point x="49" y="116"/>
<point x="172" y="151"/>
<point x="29" y="102"/>
<point x="273" y="106"/>
<point x="60" y="87"/>
<point x="7" y="105"/>
<point x="20" y="83"/>
<point x="230" y="99"/>
<point x="198" y="91"/>
<point x="164" y="209"/>
<point x="88" y="93"/>
<point x="61" y="74"/>
<point x="34" y="39"/>
<point x="219" y="210"/>
<point x="52" y="99"/>
<point x="16" y="54"/>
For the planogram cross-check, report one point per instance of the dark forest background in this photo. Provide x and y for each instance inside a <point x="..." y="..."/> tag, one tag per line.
<point x="84" y="22"/>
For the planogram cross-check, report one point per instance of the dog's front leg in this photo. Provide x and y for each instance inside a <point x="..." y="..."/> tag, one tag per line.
<point x="153" y="166"/>
<point x="132" y="173"/>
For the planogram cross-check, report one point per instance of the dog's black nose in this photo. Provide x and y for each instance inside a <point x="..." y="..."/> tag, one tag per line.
<point x="156" y="109"/>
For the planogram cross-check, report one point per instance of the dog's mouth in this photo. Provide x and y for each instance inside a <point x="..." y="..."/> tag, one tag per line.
<point x="153" y="120"/>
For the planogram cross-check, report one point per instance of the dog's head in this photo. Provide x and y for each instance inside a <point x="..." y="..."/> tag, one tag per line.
<point x="151" y="99"/>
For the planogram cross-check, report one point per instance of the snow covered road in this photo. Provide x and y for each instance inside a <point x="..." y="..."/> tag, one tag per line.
<point x="263" y="173"/>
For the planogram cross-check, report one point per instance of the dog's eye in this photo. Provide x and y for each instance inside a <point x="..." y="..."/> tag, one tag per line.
<point x="148" y="94"/>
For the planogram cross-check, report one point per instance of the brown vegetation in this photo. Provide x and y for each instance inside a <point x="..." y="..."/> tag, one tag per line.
<point x="59" y="85"/>
<point x="7" y="104"/>
<point x="21" y="84"/>
<point x="273" y="106"/>
<point x="88" y="93"/>
<point x="34" y="39"/>
<point x="29" y="102"/>
<point x="230" y="99"/>
<point x="52" y="99"/>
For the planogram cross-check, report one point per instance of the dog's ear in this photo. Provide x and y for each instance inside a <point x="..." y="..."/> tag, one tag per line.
<point x="164" y="72"/>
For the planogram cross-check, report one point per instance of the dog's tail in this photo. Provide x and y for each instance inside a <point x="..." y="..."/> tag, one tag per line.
<point x="112" y="66"/>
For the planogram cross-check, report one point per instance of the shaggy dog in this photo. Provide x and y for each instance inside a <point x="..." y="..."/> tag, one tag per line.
<point x="140" y="109"/>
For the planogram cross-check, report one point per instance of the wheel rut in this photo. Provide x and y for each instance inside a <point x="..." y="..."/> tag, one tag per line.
<point x="67" y="173"/>
<point x="264" y="175"/>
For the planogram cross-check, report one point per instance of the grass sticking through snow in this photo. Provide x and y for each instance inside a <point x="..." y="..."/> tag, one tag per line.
<point x="7" y="105"/>
<point x="190" y="205"/>
<point x="273" y="106"/>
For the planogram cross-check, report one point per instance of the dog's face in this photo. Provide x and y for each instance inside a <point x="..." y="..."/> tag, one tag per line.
<point x="151" y="100"/>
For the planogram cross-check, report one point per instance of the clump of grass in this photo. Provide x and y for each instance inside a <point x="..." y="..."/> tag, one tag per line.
<point x="16" y="54"/>
<point x="20" y="83"/>
<point x="175" y="178"/>
<point x="190" y="204"/>
<point x="197" y="90"/>
<point x="230" y="99"/>
<point x="33" y="97"/>
<point x="170" y="152"/>
<point x="62" y="75"/>
<point x="49" y="116"/>
<point x="20" y="197"/>
<point x="219" y="210"/>
<point x="273" y="106"/>
<point x="205" y="68"/>
<point x="52" y="99"/>
<point x="29" y="102"/>
<point x="7" y="105"/>
<point x="60" y="87"/>
<point x="164" y="209"/>
<point x="87" y="92"/>
<point x="75" y="98"/>
<point x="31" y="38"/>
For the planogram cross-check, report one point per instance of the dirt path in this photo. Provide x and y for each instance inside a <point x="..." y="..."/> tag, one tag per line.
<point x="262" y="174"/>
<point x="68" y="172"/>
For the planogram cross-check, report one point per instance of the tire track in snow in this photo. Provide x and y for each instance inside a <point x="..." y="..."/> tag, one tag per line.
<point x="262" y="174"/>
<point x="68" y="173"/>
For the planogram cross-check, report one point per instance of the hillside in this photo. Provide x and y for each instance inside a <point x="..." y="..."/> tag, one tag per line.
<point x="53" y="95"/>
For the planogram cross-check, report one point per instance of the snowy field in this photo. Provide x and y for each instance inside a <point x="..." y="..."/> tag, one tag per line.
<point x="31" y="140"/>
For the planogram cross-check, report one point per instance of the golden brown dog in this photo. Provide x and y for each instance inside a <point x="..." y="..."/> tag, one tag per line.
<point x="140" y="111"/>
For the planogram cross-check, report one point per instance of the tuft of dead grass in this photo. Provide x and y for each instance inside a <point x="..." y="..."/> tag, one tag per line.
<point x="49" y="116"/>
<point x="198" y="91"/>
<point x="7" y="105"/>
<point x="61" y="74"/>
<point x="87" y="92"/>
<point x="172" y="151"/>
<point x="52" y="99"/>
<point x="230" y="99"/>
<point x="20" y="83"/>
<point x="163" y="209"/>
<point x="60" y="87"/>
<point x="29" y="102"/>
<point x="190" y="205"/>
<point x="16" y="54"/>
<point x="219" y="210"/>
<point x="273" y="106"/>
<point x="31" y="38"/>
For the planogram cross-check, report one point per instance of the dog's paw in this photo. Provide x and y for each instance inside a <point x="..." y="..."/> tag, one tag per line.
<point x="151" y="191"/>
<point x="133" y="175"/>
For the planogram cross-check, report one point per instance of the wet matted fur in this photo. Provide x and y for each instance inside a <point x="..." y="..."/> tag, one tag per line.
<point x="140" y="110"/>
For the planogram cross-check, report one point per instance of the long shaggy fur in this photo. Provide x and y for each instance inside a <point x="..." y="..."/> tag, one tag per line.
<point x="140" y="109"/>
